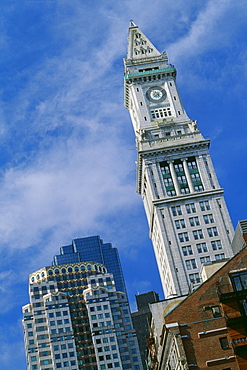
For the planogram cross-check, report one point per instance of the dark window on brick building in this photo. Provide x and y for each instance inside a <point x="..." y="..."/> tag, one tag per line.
<point x="224" y="343"/>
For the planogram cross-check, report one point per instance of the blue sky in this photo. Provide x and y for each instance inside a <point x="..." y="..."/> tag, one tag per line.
<point x="67" y="148"/>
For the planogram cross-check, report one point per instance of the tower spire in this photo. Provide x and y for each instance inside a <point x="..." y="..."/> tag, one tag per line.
<point x="188" y="219"/>
<point x="140" y="46"/>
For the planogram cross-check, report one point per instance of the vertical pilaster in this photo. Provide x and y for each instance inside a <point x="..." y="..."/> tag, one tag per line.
<point x="174" y="177"/>
<point x="187" y="174"/>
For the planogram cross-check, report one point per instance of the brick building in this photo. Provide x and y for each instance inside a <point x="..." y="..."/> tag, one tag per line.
<point x="208" y="328"/>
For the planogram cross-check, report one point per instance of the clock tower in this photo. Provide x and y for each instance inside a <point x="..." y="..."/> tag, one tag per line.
<point x="184" y="203"/>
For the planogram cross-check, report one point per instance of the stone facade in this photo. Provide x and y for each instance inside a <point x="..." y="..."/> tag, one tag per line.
<point x="187" y="215"/>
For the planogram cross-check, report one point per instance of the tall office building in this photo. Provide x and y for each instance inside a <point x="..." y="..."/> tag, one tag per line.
<point x="92" y="248"/>
<point x="76" y="319"/>
<point x="187" y="215"/>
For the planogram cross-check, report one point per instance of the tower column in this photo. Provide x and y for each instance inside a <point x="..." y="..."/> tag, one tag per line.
<point x="174" y="177"/>
<point x="187" y="174"/>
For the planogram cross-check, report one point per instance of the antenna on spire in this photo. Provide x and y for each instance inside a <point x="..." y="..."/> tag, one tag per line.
<point x="132" y="24"/>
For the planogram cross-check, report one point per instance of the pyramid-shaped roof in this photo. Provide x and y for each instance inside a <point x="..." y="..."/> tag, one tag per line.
<point x="139" y="45"/>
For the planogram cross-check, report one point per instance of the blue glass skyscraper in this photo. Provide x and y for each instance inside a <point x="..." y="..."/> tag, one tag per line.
<point x="92" y="248"/>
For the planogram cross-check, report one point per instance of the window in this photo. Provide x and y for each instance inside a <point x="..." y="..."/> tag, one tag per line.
<point x="194" y="221"/>
<point x="192" y="164"/>
<point x="212" y="231"/>
<point x="183" y="237"/>
<point x="198" y="234"/>
<point x="190" y="208"/>
<point x="205" y="206"/>
<point x="194" y="278"/>
<point x="45" y="362"/>
<point x="33" y="358"/>
<point x="190" y="264"/>
<point x="182" y="179"/>
<point x="224" y="343"/>
<point x="216" y="245"/>
<point x="198" y="187"/>
<point x="216" y="311"/>
<point x="180" y="224"/>
<point x="187" y="250"/>
<point x="208" y="219"/>
<point x="176" y="211"/>
<point x="202" y="247"/>
<point x="185" y="190"/>
<point x="220" y="256"/>
<point x="205" y="259"/>
<point x="239" y="280"/>
<point x="160" y="113"/>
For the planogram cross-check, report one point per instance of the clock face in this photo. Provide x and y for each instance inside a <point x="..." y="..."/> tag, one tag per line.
<point x="156" y="94"/>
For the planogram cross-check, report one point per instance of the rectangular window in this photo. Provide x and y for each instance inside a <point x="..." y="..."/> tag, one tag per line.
<point x="239" y="280"/>
<point x="220" y="256"/>
<point x="160" y="113"/>
<point x="180" y="224"/>
<point x="208" y="219"/>
<point x="182" y="179"/>
<point x="205" y="259"/>
<point x="194" y="278"/>
<point x="191" y="264"/>
<point x="212" y="231"/>
<point x="224" y="343"/>
<point x="190" y="208"/>
<point x="198" y="234"/>
<point x="176" y="211"/>
<point x="216" y="244"/>
<point x="194" y="221"/>
<point x="205" y="206"/>
<point x="187" y="250"/>
<point x="183" y="237"/>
